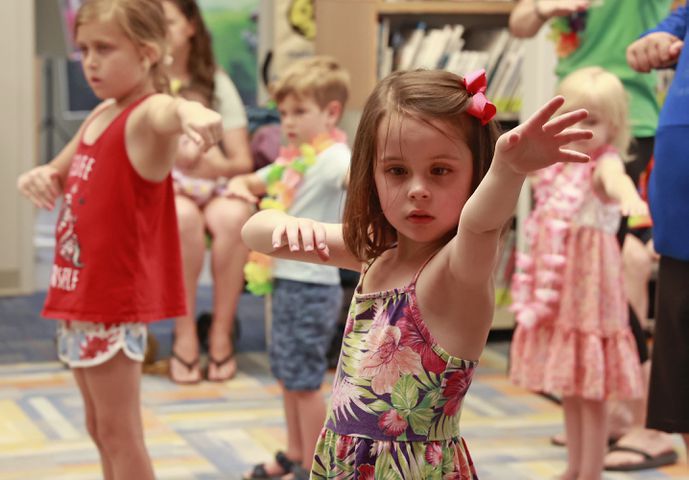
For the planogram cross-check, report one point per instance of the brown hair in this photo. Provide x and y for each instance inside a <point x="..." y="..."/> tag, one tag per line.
<point x="201" y="63"/>
<point x="424" y="95"/>
<point x="142" y="21"/>
<point x="319" y="77"/>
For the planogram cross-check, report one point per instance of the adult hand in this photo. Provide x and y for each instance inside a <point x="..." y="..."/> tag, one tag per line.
<point x="558" y="8"/>
<point x="655" y="50"/>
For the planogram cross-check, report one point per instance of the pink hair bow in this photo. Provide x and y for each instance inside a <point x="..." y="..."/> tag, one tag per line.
<point x="480" y="106"/>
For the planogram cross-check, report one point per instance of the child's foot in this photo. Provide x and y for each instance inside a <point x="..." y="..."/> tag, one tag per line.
<point x="279" y="467"/>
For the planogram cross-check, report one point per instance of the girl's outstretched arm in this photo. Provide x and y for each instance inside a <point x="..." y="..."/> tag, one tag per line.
<point x="280" y="235"/>
<point x="537" y="143"/>
<point x="153" y="128"/>
<point x="617" y="186"/>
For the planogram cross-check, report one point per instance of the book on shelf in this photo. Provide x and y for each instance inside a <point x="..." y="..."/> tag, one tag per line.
<point x="494" y="50"/>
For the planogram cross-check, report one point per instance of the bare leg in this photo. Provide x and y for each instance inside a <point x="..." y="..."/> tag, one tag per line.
<point x="685" y="437"/>
<point x="294" y="447"/>
<point x="637" y="265"/>
<point x="225" y="218"/>
<point x="192" y="241"/>
<point x="115" y="390"/>
<point x="312" y="411"/>
<point x="573" y="431"/>
<point x="594" y="439"/>
<point x="91" y="427"/>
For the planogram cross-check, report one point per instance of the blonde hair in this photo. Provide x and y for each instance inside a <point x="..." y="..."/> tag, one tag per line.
<point x="597" y="87"/>
<point x="141" y="21"/>
<point x="319" y="77"/>
<point x="424" y="95"/>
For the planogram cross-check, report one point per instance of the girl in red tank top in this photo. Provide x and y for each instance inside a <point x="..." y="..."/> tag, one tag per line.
<point x="117" y="262"/>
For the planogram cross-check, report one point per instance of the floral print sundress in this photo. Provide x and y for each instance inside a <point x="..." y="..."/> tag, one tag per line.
<point x="397" y="397"/>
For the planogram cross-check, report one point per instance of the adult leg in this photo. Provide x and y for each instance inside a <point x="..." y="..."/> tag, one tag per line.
<point x="669" y="390"/>
<point x="594" y="439"/>
<point x="225" y="218"/>
<point x="571" y="407"/>
<point x="637" y="263"/>
<point x="184" y="364"/>
<point x="90" y="420"/>
<point x="115" y="388"/>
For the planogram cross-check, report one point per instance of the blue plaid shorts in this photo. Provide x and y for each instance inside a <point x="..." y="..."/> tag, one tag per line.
<point x="305" y="316"/>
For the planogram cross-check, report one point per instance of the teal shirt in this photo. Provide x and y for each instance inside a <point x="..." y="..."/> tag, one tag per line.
<point x="610" y="28"/>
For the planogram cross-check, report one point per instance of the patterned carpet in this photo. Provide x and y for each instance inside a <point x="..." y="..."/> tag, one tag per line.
<point x="215" y="431"/>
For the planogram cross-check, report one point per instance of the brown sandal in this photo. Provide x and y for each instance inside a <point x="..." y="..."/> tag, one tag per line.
<point x="219" y="364"/>
<point x="191" y="366"/>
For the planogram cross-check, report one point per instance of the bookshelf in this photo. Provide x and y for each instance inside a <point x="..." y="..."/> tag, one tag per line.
<point x="349" y="30"/>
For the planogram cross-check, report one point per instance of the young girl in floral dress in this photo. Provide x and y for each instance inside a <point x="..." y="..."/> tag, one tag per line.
<point x="424" y="305"/>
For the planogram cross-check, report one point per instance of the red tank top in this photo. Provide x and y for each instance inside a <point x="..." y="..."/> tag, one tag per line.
<point x="117" y="253"/>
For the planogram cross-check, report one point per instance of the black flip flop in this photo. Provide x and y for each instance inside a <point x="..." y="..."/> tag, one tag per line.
<point x="259" y="471"/>
<point x="649" y="461"/>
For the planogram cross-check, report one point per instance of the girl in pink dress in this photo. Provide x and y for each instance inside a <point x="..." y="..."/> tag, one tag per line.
<point x="573" y="338"/>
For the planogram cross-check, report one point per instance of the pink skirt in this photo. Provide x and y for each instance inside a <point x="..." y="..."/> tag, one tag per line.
<point x="587" y="349"/>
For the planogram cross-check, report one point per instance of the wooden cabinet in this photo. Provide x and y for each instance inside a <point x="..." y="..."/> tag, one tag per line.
<point x="348" y="30"/>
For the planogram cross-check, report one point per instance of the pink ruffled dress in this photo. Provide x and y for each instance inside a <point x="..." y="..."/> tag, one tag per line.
<point x="573" y="336"/>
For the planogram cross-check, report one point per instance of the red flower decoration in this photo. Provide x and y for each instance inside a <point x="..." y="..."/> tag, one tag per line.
<point x="434" y="453"/>
<point x="416" y="336"/>
<point x="392" y="423"/>
<point x="342" y="446"/>
<point x="366" y="472"/>
<point x="94" y="346"/>
<point x="457" y="385"/>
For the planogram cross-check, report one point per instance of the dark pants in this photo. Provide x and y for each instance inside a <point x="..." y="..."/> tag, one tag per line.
<point x="668" y="400"/>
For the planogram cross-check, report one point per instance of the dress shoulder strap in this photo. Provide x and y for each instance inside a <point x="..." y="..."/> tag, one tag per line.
<point x="423" y="265"/>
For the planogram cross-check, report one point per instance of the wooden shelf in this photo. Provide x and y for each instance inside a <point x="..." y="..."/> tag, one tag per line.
<point x="348" y="30"/>
<point x="448" y="7"/>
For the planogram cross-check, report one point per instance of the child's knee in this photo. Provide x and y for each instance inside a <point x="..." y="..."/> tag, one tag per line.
<point x="116" y="435"/>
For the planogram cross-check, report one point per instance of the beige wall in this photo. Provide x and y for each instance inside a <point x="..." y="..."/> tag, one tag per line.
<point x="18" y="127"/>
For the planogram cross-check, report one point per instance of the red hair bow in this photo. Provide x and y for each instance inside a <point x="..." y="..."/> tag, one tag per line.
<point x="480" y="107"/>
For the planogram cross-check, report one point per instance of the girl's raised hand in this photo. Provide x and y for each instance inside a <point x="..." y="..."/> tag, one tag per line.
<point x="41" y="185"/>
<point x="540" y="140"/>
<point x="298" y="233"/>
<point x="200" y="124"/>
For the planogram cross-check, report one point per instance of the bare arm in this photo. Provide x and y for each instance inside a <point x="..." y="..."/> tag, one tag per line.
<point x="43" y="184"/>
<point x="248" y="187"/>
<point x="535" y="144"/>
<point x="236" y="161"/>
<point x="617" y="186"/>
<point x="280" y="235"/>
<point x="170" y="116"/>
<point x="528" y="16"/>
